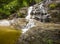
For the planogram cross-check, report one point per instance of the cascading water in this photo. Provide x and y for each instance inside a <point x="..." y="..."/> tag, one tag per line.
<point x="42" y="9"/>
<point x="28" y="18"/>
<point x="29" y="11"/>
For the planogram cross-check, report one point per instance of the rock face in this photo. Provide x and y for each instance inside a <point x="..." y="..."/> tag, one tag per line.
<point x="22" y="12"/>
<point x="42" y="33"/>
<point x="37" y="35"/>
<point x="54" y="9"/>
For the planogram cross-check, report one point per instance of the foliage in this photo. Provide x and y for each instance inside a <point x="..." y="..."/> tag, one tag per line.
<point x="37" y="1"/>
<point x="8" y="35"/>
<point x="54" y="11"/>
<point x="48" y="41"/>
<point x="8" y="7"/>
<point x="52" y="6"/>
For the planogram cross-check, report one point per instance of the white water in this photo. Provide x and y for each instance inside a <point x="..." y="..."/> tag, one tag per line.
<point x="44" y="10"/>
<point x="28" y="26"/>
<point x="28" y="18"/>
<point x="29" y="11"/>
<point x="6" y="22"/>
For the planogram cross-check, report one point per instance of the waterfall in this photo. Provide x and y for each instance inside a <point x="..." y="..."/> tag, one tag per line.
<point x="31" y="23"/>
<point x="44" y="10"/>
<point x="28" y="14"/>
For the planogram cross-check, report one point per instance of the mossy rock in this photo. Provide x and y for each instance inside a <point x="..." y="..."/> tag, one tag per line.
<point x="8" y="35"/>
<point x="52" y="6"/>
<point x="54" y="10"/>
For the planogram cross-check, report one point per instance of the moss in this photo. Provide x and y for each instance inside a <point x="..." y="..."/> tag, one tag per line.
<point x="50" y="41"/>
<point x="21" y="15"/>
<point x="52" y="6"/>
<point x="8" y="35"/>
<point x="38" y="1"/>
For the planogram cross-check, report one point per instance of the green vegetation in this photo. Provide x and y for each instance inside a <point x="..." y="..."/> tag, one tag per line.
<point x="54" y="9"/>
<point x="48" y="41"/>
<point x="8" y="35"/>
<point x="8" y="7"/>
<point x="37" y="1"/>
<point x="52" y="6"/>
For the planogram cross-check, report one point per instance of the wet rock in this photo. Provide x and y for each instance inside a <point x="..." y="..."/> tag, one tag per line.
<point x="54" y="9"/>
<point x="37" y="35"/>
<point x="42" y="33"/>
<point x="39" y="12"/>
<point x="19" y="23"/>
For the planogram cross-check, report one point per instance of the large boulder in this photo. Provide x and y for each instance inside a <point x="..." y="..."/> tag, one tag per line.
<point x="42" y="33"/>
